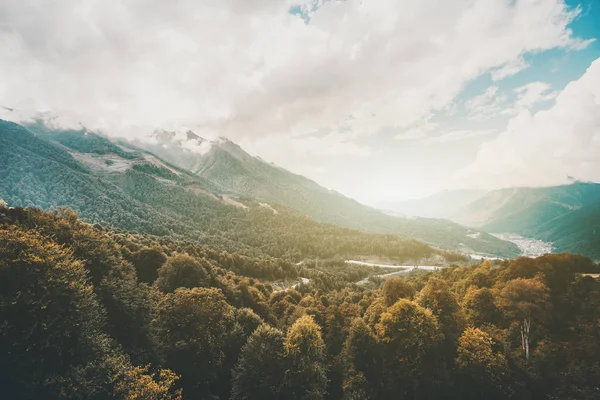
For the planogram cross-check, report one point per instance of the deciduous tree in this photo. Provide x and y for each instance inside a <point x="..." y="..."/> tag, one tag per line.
<point x="260" y="370"/>
<point x="395" y="289"/>
<point x="181" y="270"/>
<point x="191" y="327"/>
<point x="525" y="301"/>
<point x="305" y="353"/>
<point x="483" y="373"/>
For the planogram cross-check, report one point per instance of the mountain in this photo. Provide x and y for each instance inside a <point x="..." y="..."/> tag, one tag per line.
<point x="517" y="209"/>
<point x="131" y="189"/>
<point x="575" y="232"/>
<point x="169" y="146"/>
<point x="440" y="205"/>
<point x="236" y="172"/>
<point x="566" y="215"/>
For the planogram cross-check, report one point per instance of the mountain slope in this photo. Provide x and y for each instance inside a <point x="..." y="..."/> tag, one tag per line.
<point x="520" y="208"/>
<point x="567" y="215"/>
<point x="235" y="171"/>
<point x="140" y="192"/>
<point x="576" y="232"/>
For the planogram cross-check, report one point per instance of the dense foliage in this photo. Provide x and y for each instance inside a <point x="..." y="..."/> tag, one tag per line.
<point x="91" y="313"/>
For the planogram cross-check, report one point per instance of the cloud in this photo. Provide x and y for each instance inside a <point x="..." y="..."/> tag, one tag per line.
<point x="185" y="139"/>
<point x="528" y="96"/>
<point x="533" y="93"/>
<point x="312" y="155"/>
<point x="280" y="149"/>
<point x="249" y="69"/>
<point x="492" y="104"/>
<point x="419" y="131"/>
<point x="486" y="105"/>
<point x="431" y="133"/>
<point x="453" y="136"/>
<point x="511" y="68"/>
<point x="482" y="100"/>
<point x="544" y="148"/>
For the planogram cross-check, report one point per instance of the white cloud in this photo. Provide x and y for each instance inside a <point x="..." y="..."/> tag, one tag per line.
<point x="250" y="69"/>
<point x="482" y="100"/>
<point x="510" y="68"/>
<point x="486" y="105"/>
<point x="546" y="147"/>
<point x="453" y="136"/>
<point x="419" y="131"/>
<point x="492" y="104"/>
<point x="528" y="96"/>
<point x="534" y="93"/>
<point x="280" y="149"/>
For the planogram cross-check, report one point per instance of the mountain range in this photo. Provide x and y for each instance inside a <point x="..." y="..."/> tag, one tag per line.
<point x="568" y="216"/>
<point x="216" y="192"/>
<point x="219" y="178"/>
<point x="236" y="172"/>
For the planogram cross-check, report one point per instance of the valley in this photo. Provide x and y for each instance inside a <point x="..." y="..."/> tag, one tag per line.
<point x="529" y="247"/>
<point x="300" y="200"/>
<point x="187" y="283"/>
<point x="406" y="267"/>
<point x="565" y="217"/>
<point x="235" y="172"/>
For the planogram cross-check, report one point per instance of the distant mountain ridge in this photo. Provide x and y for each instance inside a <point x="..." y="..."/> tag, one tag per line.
<point x="568" y="216"/>
<point x="235" y="171"/>
<point x="519" y="208"/>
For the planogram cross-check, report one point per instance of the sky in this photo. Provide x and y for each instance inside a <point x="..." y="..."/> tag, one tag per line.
<point x="381" y="100"/>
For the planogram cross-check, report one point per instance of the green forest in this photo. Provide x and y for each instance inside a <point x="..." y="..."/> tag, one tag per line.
<point x="92" y="312"/>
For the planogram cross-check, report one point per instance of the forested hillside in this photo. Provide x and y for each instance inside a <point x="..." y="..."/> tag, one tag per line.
<point x="576" y="232"/>
<point x="141" y="193"/>
<point x="227" y="165"/>
<point x="92" y="313"/>
<point x="565" y="215"/>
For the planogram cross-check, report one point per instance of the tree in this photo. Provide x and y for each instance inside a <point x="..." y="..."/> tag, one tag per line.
<point x="305" y="353"/>
<point x="51" y="332"/>
<point x="52" y="336"/>
<point x="147" y="262"/>
<point x="374" y="311"/>
<point x="246" y="322"/>
<point x="409" y="333"/>
<point x="437" y="297"/>
<point x="395" y="289"/>
<point x="482" y="372"/>
<point x="181" y="270"/>
<point x="260" y="369"/>
<point x="191" y="328"/>
<point x="363" y="356"/>
<point x="523" y="267"/>
<point x="137" y="383"/>
<point x="525" y="300"/>
<point x="480" y="307"/>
